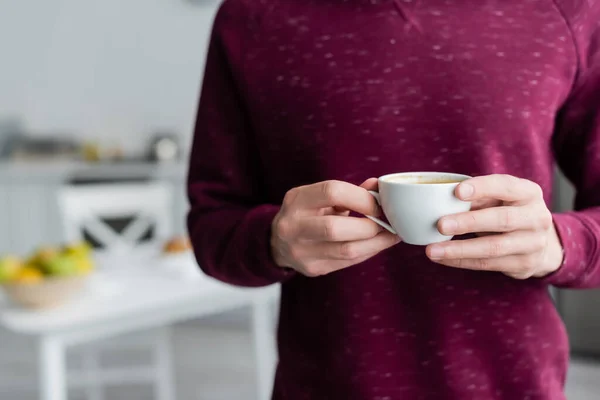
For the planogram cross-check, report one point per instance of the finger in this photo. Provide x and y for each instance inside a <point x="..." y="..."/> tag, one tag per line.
<point x="370" y="184"/>
<point x="333" y="228"/>
<point x="353" y="250"/>
<point x="324" y="267"/>
<point x="492" y="246"/>
<point x="336" y="194"/>
<point x="495" y="219"/>
<point x="501" y="187"/>
<point x="518" y="267"/>
<point x="329" y="257"/>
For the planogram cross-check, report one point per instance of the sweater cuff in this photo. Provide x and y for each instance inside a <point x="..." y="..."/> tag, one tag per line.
<point x="579" y="247"/>
<point x="259" y="246"/>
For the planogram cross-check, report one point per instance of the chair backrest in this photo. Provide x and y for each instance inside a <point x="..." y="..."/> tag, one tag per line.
<point x="85" y="210"/>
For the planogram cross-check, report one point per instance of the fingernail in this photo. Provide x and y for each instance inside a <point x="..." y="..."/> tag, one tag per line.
<point x="436" y="252"/>
<point x="448" y="225"/>
<point x="465" y="191"/>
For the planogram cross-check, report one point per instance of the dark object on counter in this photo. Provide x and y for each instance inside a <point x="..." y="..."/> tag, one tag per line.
<point x="45" y="148"/>
<point x="165" y="147"/>
<point x="11" y="133"/>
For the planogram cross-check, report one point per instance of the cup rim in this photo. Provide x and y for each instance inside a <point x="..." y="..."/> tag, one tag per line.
<point x="451" y="175"/>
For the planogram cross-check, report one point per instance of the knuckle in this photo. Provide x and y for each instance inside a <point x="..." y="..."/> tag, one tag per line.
<point x="537" y="190"/>
<point x="453" y="252"/>
<point x="330" y="229"/>
<point x="294" y="253"/>
<point x="505" y="180"/>
<point x="459" y="262"/>
<point x="331" y="191"/>
<point x="546" y="220"/>
<point x="508" y="219"/>
<point x="284" y="228"/>
<point x="469" y="223"/>
<point x="312" y="270"/>
<point x="460" y="252"/>
<point x="348" y="251"/>
<point x="290" y="197"/>
<point x="521" y="276"/>
<point x="496" y="247"/>
<point x="449" y="252"/>
<point x="515" y="186"/>
<point x="527" y="272"/>
<point x="540" y="242"/>
<point x="484" y="264"/>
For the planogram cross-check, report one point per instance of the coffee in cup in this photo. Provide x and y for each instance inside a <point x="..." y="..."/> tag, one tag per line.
<point x="423" y="179"/>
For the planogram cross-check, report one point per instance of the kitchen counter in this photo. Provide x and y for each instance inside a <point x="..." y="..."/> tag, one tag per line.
<point x="64" y="171"/>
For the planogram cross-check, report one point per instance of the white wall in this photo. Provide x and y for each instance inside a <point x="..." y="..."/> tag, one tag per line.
<point x="112" y="69"/>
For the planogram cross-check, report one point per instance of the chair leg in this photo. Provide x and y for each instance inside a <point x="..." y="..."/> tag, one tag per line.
<point x="91" y="369"/>
<point x="52" y="365"/>
<point x="264" y="347"/>
<point x="163" y="355"/>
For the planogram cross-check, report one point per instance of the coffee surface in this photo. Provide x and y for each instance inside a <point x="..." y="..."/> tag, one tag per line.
<point x="422" y="180"/>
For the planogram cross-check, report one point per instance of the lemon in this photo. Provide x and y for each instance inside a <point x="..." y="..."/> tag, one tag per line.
<point x="81" y="249"/>
<point x="29" y="275"/>
<point x="9" y="268"/>
<point x="62" y="265"/>
<point x="43" y="256"/>
<point x="85" y="265"/>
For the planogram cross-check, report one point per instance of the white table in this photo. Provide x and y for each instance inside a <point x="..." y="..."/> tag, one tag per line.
<point x="140" y="300"/>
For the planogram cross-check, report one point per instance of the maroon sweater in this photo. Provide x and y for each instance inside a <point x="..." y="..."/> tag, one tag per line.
<point x="301" y="91"/>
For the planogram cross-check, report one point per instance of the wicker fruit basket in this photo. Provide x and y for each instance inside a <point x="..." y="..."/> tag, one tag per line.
<point x="48" y="293"/>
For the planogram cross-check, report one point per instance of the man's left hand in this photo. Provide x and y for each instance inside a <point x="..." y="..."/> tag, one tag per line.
<point x="516" y="234"/>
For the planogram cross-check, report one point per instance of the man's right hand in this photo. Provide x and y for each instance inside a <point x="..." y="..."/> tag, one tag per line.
<point x="314" y="234"/>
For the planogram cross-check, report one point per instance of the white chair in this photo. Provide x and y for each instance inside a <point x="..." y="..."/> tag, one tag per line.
<point x="85" y="209"/>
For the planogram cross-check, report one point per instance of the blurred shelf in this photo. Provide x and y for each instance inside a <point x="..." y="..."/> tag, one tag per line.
<point x="62" y="171"/>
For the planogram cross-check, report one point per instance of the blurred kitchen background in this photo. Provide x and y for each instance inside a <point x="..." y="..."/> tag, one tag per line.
<point x="93" y="91"/>
<point x="102" y="95"/>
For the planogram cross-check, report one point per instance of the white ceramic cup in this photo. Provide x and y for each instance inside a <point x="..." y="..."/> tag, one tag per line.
<point x="413" y="203"/>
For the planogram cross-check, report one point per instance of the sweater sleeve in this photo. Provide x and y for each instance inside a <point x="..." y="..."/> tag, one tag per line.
<point x="229" y="221"/>
<point x="577" y="149"/>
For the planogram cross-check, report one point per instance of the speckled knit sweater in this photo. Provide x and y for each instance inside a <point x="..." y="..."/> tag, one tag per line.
<point x="301" y="91"/>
